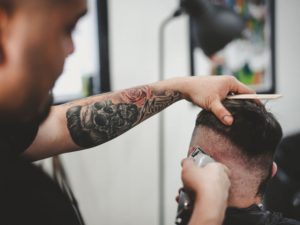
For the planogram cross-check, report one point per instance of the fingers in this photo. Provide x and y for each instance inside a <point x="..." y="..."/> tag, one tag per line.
<point x="177" y="196"/>
<point x="239" y="87"/>
<point x="187" y="162"/>
<point x="227" y="171"/>
<point x="213" y="176"/>
<point x="217" y="107"/>
<point x="221" y="113"/>
<point x="219" y="165"/>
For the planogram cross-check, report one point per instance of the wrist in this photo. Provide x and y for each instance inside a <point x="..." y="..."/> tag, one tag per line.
<point x="180" y="85"/>
<point x="173" y="84"/>
<point x="209" y="210"/>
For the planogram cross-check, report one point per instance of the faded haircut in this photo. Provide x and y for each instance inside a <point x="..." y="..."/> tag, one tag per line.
<point x="255" y="132"/>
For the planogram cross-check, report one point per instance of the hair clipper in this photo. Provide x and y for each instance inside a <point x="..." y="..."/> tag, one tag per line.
<point x="186" y="198"/>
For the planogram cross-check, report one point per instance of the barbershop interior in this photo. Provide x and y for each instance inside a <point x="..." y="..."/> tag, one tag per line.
<point x="135" y="178"/>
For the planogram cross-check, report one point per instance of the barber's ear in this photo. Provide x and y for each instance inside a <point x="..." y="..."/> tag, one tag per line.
<point x="274" y="169"/>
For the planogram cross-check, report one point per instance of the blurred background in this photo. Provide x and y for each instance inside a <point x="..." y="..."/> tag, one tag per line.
<point x="117" y="182"/>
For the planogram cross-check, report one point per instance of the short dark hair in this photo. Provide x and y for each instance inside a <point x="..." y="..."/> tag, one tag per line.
<point x="255" y="132"/>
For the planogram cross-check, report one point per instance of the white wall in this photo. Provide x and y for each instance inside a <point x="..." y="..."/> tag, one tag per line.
<point x="116" y="183"/>
<point x="288" y="64"/>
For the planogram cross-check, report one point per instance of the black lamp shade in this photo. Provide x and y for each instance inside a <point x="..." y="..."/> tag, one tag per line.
<point x="213" y="26"/>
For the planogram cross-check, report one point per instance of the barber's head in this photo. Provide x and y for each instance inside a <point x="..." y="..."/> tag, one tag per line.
<point x="35" y="40"/>
<point x="246" y="148"/>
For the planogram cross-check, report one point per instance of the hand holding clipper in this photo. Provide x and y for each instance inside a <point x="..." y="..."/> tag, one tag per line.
<point x="186" y="198"/>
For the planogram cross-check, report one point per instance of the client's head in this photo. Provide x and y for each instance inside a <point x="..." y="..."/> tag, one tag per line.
<point x="246" y="148"/>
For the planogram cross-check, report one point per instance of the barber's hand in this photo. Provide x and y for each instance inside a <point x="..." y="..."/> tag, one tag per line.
<point x="210" y="182"/>
<point x="211" y="187"/>
<point x="208" y="92"/>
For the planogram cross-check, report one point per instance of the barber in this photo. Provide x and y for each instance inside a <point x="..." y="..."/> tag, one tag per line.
<point x="35" y="39"/>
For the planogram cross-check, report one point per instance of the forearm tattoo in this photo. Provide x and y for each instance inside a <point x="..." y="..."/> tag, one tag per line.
<point x="99" y="122"/>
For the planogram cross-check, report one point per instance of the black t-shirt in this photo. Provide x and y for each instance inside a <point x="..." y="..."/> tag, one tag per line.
<point x="27" y="195"/>
<point x="254" y="215"/>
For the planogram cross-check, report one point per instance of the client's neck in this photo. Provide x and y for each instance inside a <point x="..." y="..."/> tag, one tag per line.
<point x="243" y="194"/>
<point x="243" y="202"/>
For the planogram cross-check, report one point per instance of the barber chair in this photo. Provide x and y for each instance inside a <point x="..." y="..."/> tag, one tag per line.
<point x="283" y="192"/>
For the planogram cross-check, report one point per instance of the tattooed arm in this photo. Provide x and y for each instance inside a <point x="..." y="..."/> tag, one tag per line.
<point x="92" y="121"/>
<point x="101" y="121"/>
<point x="95" y="120"/>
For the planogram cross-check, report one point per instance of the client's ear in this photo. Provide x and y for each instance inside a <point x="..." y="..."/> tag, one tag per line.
<point x="274" y="169"/>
